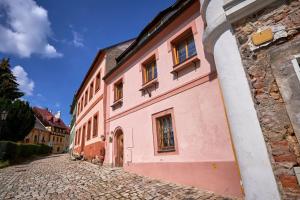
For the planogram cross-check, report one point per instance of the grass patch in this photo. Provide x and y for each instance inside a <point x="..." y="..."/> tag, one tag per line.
<point x="4" y="163"/>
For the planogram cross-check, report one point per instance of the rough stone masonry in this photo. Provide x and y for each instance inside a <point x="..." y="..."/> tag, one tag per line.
<point x="275" y="87"/>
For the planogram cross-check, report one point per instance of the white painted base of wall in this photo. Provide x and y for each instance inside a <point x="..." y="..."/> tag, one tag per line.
<point x="255" y="167"/>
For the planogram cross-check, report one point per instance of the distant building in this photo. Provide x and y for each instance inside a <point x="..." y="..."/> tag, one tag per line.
<point x="73" y="109"/>
<point x="58" y="132"/>
<point x="39" y="134"/>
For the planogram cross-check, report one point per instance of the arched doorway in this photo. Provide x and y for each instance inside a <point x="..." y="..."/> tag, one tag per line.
<point x="119" y="148"/>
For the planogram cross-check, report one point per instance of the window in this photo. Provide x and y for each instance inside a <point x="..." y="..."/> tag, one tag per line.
<point x="164" y="132"/>
<point x="184" y="49"/>
<point x="89" y="127"/>
<point x="75" y="141"/>
<point x="60" y="139"/>
<point x="85" y="98"/>
<point x="91" y="90"/>
<point x="83" y="132"/>
<point x="81" y="104"/>
<point x="296" y="64"/>
<point x="118" y="90"/>
<point x="79" y="134"/>
<point x="98" y="80"/>
<point x="149" y="71"/>
<point x="78" y="109"/>
<point x="35" y="139"/>
<point x="95" y="126"/>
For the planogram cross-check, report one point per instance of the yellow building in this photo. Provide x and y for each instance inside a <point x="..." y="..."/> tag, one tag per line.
<point x="39" y="134"/>
<point x="49" y="130"/>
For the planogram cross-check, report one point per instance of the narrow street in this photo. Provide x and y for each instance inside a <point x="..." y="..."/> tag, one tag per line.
<point x="57" y="177"/>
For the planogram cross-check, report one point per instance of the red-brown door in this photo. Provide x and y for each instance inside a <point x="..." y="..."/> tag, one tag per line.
<point x="120" y="146"/>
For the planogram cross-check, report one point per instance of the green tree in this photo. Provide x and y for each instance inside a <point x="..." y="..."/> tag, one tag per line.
<point x="20" y="120"/>
<point x="8" y="85"/>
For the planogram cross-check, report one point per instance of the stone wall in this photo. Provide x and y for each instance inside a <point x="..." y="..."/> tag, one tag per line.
<point x="92" y="151"/>
<point x="267" y="67"/>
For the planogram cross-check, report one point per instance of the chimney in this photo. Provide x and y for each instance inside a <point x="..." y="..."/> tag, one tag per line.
<point x="57" y="115"/>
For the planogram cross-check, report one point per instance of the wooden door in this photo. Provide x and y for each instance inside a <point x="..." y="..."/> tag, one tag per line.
<point x="120" y="146"/>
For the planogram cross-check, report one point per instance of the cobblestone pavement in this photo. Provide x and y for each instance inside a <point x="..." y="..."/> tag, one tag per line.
<point x="57" y="177"/>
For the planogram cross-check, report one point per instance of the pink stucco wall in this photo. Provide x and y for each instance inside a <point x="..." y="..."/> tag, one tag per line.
<point x="205" y="156"/>
<point x="94" y="106"/>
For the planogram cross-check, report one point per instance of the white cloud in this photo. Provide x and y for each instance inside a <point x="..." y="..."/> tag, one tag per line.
<point x="77" y="39"/>
<point x="26" y="29"/>
<point x="26" y="85"/>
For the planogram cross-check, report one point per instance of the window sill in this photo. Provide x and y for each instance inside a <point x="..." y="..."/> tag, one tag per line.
<point x="149" y="84"/>
<point x="178" y="67"/>
<point x="118" y="102"/>
<point x="166" y="150"/>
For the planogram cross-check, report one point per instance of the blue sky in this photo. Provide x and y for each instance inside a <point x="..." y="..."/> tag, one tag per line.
<point x="51" y="44"/>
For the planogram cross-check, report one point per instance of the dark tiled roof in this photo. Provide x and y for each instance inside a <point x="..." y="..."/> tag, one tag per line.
<point x="48" y="119"/>
<point x="164" y="18"/>
<point x="112" y="52"/>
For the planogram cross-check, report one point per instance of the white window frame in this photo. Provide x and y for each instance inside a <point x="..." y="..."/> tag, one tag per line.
<point x="296" y="64"/>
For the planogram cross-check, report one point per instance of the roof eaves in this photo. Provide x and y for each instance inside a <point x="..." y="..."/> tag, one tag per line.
<point x="134" y="47"/>
<point x="100" y="51"/>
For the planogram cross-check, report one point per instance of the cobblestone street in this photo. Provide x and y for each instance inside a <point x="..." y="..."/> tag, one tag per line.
<point x="57" y="177"/>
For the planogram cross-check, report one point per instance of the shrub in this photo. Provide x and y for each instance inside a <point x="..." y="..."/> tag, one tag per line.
<point x="45" y="149"/>
<point x="11" y="150"/>
<point x="8" y="150"/>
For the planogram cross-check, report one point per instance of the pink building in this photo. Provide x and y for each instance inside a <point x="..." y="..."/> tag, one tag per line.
<point x="164" y="111"/>
<point x="89" y="125"/>
<point x="159" y="111"/>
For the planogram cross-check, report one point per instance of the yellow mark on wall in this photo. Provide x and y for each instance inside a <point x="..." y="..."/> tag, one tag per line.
<point x="214" y="166"/>
<point x="262" y="37"/>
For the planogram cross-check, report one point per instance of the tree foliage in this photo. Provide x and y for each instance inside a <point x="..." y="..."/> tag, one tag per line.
<point x="20" y="119"/>
<point x="8" y="85"/>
